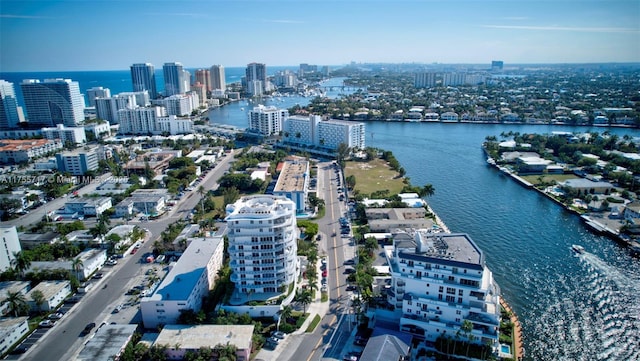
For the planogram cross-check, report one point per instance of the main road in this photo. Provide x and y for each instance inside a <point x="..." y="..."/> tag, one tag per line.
<point x="64" y="340"/>
<point x="329" y="337"/>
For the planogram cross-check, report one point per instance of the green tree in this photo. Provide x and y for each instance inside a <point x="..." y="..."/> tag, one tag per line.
<point x="16" y="303"/>
<point x="285" y="313"/>
<point x="21" y="262"/>
<point x="304" y="298"/>
<point x="38" y="297"/>
<point x="230" y="195"/>
<point x="77" y="266"/>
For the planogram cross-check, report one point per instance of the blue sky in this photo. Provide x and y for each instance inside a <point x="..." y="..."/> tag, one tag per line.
<point x="112" y="35"/>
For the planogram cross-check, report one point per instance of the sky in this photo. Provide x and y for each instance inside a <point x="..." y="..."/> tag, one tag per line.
<point x="111" y="35"/>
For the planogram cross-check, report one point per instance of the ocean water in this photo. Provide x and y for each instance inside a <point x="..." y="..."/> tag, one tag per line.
<point x="117" y="81"/>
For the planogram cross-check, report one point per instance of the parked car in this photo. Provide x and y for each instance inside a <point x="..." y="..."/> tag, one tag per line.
<point x="117" y="309"/>
<point x="18" y="350"/>
<point x="324" y="273"/>
<point x="349" y="270"/>
<point x="349" y="262"/>
<point x="55" y="316"/>
<point x="98" y="276"/>
<point x="351" y="288"/>
<point x="46" y="323"/>
<point x="278" y="334"/>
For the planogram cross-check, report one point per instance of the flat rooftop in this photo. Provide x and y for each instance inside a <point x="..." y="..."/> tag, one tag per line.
<point x="194" y="337"/>
<point x="292" y="176"/>
<point x="108" y="342"/>
<point x="182" y="279"/>
<point x="443" y="248"/>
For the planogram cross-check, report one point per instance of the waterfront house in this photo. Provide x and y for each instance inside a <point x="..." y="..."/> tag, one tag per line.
<point x="587" y="186"/>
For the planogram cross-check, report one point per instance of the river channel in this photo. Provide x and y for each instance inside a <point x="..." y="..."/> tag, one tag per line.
<point x="571" y="307"/>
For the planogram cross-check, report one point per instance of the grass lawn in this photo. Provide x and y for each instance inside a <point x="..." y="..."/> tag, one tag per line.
<point x="374" y="176"/>
<point x="547" y="178"/>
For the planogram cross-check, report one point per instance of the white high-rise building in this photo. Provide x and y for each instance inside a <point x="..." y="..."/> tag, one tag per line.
<point x="267" y="120"/>
<point x="218" y="81"/>
<point x="54" y="101"/>
<point x="97" y="92"/>
<point x="327" y="134"/>
<point x="262" y="247"/>
<point x="152" y="120"/>
<point x="107" y="108"/>
<point x="179" y="104"/>
<point x="9" y="114"/>
<point x="440" y="280"/>
<point x="9" y="244"/>
<point x="425" y="80"/>
<point x="143" y="77"/>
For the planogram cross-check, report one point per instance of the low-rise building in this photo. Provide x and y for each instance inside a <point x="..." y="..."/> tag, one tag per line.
<point x="88" y="206"/>
<point x="587" y="186"/>
<point x="385" y="348"/>
<point x="186" y="284"/>
<point x="54" y="293"/>
<point x="30" y="240"/>
<point x="293" y="182"/>
<point x="98" y="129"/>
<point x="21" y="287"/>
<point x="25" y="151"/>
<point x="9" y="246"/>
<point x="11" y="331"/>
<point x="108" y="343"/>
<point x="78" y="162"/>
<point x="73" y="135"/>
<point x="183" y="338"/>
<point x="389" y="219"/>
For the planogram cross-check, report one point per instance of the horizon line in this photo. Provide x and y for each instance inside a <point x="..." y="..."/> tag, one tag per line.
<point x="349" y="64"/>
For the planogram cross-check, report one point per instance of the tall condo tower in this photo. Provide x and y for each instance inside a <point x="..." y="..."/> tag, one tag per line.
<point x="262" y="246"/>
<point x="203" y="77"/>
<point x="143" y="77"/>
<point x="217" y="78"/>
<point x="176" y="79"/>
<point x="9" y="116"/>
<point x="54" y="101"/>
<point x="257" y="72"/>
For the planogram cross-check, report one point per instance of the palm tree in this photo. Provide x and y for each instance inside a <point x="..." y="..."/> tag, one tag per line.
<point x="77" y="266"/>
<point x="201" y="192"/>
<point x="304" y="297"/>
<point x="21" y="262"/>
<point x="285" y="313"/>
<point x="16" y="302"/>
<point x="467" y="327"/>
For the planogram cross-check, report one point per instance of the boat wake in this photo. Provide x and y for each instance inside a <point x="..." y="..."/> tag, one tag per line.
<point x="592" y="317"/>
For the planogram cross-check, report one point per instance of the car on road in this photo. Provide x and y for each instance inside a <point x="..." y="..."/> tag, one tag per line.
<point x="349" y="262"/>
<point x="111" y="262"/>
<point x="98" y="276"/>
<point x="279" y="335"/>
<point x="87" y="329"/>
<point x="133" y="251"/>
<point x="351" y="288"/>
<point x="117" y="309"/>
<point x="46" y="323"/>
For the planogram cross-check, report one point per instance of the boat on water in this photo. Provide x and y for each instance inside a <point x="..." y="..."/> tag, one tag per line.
<point x="577" y="248"/>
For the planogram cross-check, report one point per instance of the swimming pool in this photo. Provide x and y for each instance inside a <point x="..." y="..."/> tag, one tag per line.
<point x="505" y="348"/>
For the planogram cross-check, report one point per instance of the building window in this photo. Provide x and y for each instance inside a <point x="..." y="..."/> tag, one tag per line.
<point x="460" y="292"/>
<point x="459" y="299"/>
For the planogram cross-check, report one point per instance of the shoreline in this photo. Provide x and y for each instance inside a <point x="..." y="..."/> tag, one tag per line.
<point x="518" y="349"/>
<point x="588" y="220"/>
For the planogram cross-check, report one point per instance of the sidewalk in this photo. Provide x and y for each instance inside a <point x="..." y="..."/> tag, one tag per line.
<point x="287" y="347"/>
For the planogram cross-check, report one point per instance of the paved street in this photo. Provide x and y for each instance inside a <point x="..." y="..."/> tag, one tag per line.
<point x="64" y="340"/>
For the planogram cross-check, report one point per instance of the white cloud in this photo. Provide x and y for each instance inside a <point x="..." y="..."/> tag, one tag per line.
<point x="563" y="28"/>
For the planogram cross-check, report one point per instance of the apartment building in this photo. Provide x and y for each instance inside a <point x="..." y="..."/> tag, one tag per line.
<point x="74" y="135"/>
<point x="293" y="182"/>
<point x="25" y="151"/>
<point x="440" y="280"/>
<point x="262" y="247"/>
<point x="78" y="162"/>
<point x="267" y="120"/>
<point x="186" y="284"/>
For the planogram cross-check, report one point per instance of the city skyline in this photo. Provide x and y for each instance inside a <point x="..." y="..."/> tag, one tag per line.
<point x="73" y="35"/>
